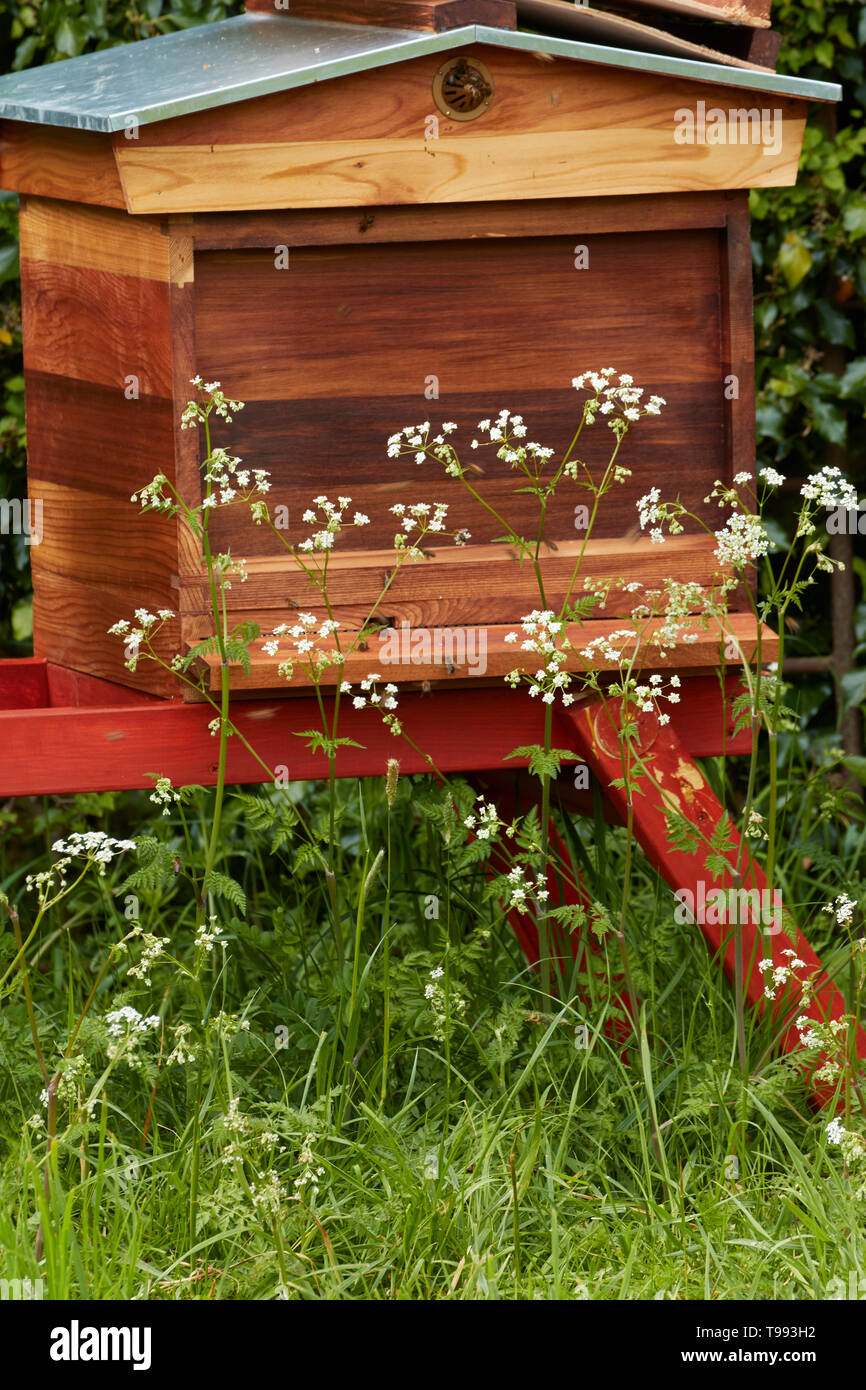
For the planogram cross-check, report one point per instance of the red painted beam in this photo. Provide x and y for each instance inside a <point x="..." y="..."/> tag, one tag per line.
<point x="62" y="732"/>
<point x="680" y="785"/>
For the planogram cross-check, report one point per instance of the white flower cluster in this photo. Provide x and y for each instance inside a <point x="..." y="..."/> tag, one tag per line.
<point x="435" y="974"/>
<point x="829" y="488"/>
<point x="741" y="541"/>
<point x="206" y="937"/>
<point x="330" y="523"/>
<point x="484" y="822"/>
<point x="128" y="1021"/>
<point x="153" y="497"/>
<point x="153" y="950"/>
<point x="183" y="1052"/>
<point x="544" y="637"/>
<point x="305" y="644"/>
<point x="95" y="845"/>
<point x="654" y="513"/>
<point x="517" y="885"/>
<point x="164" y="795"/>
<point x="212" y="399"/>
<point x="268" y="1195"/>
<point x="149" y="624"/>
<point x="771" y="477"/>
<point x="224" y="477"/>
<point x="603" y="647"/>
<point x="387" y="698"/>
<point x="842" y="908"/>
<point x="307" y="1182"/>
<point x="127" y="1030"/>
<point x="415" y="439"/>
<point x="621" y="402"/>
<point x="781" y="974"/>
<point x="647" y="694"/>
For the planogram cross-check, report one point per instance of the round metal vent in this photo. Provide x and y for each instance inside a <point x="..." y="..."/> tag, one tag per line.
<point x="463" y="90"/>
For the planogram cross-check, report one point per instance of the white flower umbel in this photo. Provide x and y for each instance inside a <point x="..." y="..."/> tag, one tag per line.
<point x="842" y="908"/>
<point x="829" y="488"/>
<point x="545" y="639"/>
<point x="372" y="696"/>
<point x="741" y="541"/>
<point x="97" y="847"/>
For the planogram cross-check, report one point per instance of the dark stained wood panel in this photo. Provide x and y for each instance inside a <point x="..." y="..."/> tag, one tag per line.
<point x="354" y="336"/>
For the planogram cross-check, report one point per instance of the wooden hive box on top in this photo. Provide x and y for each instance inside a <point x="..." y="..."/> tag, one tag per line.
<point x="293" y="208"/>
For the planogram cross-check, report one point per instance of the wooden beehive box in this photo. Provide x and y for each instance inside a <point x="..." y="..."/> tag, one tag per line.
<point x="489" y="259"/>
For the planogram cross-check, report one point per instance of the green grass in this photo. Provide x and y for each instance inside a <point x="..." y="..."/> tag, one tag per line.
<point x="504" y="1161"/>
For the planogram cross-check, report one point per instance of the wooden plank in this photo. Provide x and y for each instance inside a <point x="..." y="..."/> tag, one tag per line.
<point x="92" y="238"/>
<point x="750" y="12"/>
<point x="680" y="787"/>
<point x="316" y="349"/>
<point x="463" y="654"/>
<point x="340" y="315"/>
<point x="95" y="325"/>
<point x="53" y="162"/>
<point x="577" y="217"/>
<point x="102" y="539"/>
<point x="739" y="339"/>
<point x="432" y="15"/>
<point x="72" y="420"/>
<point x="114" y="746"/>
<point x="594" y="24"/>
<point x="475" y="584"/>
<point x="187" y="444"/>
<point x="71" y="618"/>
<point x="473" y="168"/>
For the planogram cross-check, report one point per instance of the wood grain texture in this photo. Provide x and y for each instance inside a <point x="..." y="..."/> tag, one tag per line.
<point x="396" y="102"/>
<point x="481" y="584"/>
<point x="554" y="130"/>
<point x="71" y="618"/>
<point x="458" y="656"/>
<point x="474" y="168"/>
<point x="751" y="12"/>
<point x="92" y="238"/>
<point x="335" y="309"/>
<point x="95" y="325"/>
<point x="73" y="429"/>
<point x="52" y="162"/>
<point x="577" y="217"/>
<point x="432" y="15"/>
<point x="366" y="331"/>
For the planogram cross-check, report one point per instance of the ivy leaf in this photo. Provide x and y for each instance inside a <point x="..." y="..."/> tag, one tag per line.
<point x="853" y="380"/>
<point x="828" y="420"/>
<point x="836" y="326"/>
<point x="794" y="259"/>
<point x="854" y="216"/>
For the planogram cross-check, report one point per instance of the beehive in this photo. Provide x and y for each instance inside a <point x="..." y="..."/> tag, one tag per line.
<point x="291" y="207"/>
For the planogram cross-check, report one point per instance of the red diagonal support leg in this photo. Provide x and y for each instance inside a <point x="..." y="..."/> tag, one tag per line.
<point x="676" y="784"/>
<point x="514" y="794"/>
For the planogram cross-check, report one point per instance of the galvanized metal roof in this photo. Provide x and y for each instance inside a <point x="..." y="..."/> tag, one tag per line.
<point x="254" y="54"/>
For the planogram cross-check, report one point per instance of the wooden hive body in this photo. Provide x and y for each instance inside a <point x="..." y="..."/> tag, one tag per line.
<point x="417" y="262"/>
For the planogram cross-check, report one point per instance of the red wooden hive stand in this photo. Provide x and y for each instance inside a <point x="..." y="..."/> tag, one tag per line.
<point x="64" y="732"/>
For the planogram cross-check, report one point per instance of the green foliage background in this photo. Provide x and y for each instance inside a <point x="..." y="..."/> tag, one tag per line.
<point x="809" y="249"/>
